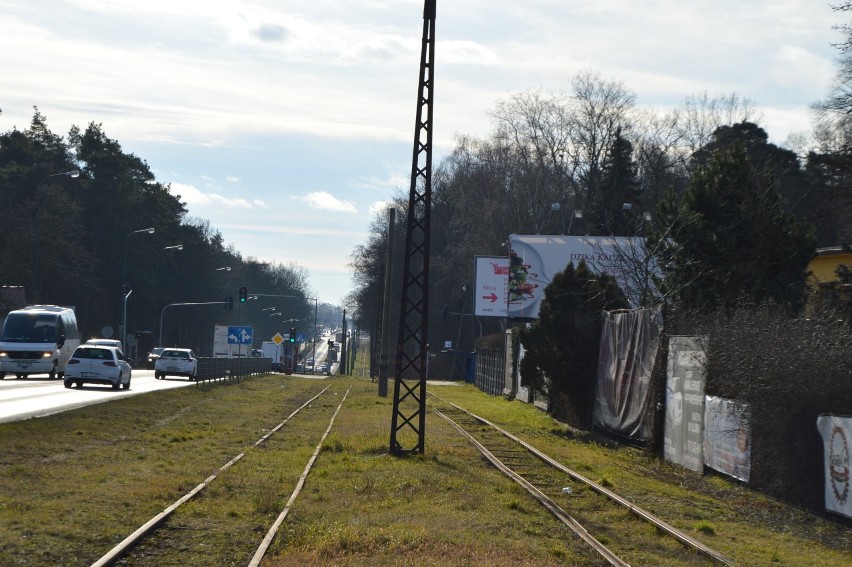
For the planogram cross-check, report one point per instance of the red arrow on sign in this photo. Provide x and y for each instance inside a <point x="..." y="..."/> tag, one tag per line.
<point x="492" y="297"/>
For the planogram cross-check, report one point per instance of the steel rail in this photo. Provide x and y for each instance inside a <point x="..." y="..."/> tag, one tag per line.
<point x="645" y="515"/>
<point x="276" y="525"/>
<point x="116" y="552"/>
<point x="554" y="508"/>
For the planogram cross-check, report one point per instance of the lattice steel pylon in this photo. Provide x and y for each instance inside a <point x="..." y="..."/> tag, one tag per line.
<point x="408" y="428"/>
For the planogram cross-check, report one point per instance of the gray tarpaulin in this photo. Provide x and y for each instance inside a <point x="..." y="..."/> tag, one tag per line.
<point x="629" y="342"/>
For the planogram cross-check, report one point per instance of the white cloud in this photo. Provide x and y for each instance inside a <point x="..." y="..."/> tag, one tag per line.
<point x="393" y="181"/>
<point x="469" y="52"/>
<point x="189" y="194"/>
<point x="193" y="196"/>
<point x="378" y="208"/>
<point x="327" y="202"/>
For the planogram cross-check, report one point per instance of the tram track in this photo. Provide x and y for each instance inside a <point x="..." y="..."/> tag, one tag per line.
<point x="151" y="543"/>
<point x="597" y="515"/>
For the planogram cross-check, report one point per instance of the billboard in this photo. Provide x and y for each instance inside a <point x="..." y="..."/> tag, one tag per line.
<point x="535" y="259"/>
<point x="491" y="286"/>
<point x="836" y="435"/>
<point x="683" y="441"/>
<point x="727" y="437"/>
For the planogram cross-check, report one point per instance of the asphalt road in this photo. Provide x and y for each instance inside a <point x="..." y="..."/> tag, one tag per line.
<point x="37" y="396"/>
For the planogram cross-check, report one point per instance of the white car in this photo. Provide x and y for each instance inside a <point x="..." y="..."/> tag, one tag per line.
<point x="105" y="342"/>
<point x="96" y="364"/>
<point x="176" y="362"/>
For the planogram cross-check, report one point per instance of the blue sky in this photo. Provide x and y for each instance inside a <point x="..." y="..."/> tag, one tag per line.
<point x="288" y="124"/>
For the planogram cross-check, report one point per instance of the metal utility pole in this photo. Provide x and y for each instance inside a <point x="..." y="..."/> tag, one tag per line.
<point x="341" y="368"/>
<point x="384" y="324"/>
<point x="408" y="427"/>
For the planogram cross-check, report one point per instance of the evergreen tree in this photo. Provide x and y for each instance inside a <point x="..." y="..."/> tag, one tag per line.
<point x="729" y="239"/>
<point x="613" y="211"/>
<point x="564" y="341"/>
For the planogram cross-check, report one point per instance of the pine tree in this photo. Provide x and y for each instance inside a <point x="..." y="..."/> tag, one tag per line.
<point x="729" y="240"/>
<point x="613" y="208"/>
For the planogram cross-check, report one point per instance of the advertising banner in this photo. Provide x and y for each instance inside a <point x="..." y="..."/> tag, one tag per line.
<point x="629" y="344"/>
<point x="535" y="259"/>
<point x="727" y="437"/>
<point x="491" y="286"/>
<point x="686" y="378"/>
<point x="836" y="436"/>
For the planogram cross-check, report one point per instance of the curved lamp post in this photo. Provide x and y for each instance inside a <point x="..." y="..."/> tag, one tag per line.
<point x="177" y="248"/>
<point x="125" y="290"/>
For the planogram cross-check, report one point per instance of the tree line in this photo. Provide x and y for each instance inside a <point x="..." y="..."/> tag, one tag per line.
<point x="81" y="240"/>
<point x="592" y="162"/>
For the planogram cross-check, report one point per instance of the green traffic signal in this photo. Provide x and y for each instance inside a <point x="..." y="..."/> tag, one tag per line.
<point x="243" y="294"/>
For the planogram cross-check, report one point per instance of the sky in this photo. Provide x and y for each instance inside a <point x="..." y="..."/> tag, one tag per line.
<point x="288" y="125"/>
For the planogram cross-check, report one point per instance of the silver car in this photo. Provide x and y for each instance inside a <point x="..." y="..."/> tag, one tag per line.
<point x="176" y="362"/>
<point x="96" y="364"/>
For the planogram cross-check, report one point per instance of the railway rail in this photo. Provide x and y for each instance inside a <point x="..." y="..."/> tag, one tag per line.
<point x="589" y="509"/>
<point x="126" y="547"/>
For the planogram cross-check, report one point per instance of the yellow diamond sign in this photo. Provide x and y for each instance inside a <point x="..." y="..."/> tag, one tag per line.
<point x="278" y="339"/>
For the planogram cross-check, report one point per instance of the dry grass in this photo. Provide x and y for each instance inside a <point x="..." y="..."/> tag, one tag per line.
<point x="75" y="484"/>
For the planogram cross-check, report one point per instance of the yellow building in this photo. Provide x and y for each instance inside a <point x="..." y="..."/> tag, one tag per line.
<point x="824" y="265"/>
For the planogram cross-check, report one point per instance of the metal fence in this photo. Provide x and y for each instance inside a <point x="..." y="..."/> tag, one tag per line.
<point x="211" y="369"/>
<point x="489" y="377"/>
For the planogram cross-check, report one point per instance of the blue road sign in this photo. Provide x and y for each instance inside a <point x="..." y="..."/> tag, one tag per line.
<point x="300" y="338"/>
<point x="240" y="335"/>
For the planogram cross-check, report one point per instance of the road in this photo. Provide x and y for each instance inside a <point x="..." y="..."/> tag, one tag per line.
<point x="37" y="396"/>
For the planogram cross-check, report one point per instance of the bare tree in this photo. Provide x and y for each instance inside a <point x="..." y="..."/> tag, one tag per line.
<point x="702" y="115"/>
<point x="599" y="108"/>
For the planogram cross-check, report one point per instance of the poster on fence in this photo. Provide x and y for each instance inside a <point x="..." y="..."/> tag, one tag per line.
<point x="727" y="437"/>
<point x="629" y="344"/>
<point x="685" y="379"/>
<point x="836" y="434"/>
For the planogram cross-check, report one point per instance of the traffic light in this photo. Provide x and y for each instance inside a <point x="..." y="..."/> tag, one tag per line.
<point x="229" y="303"/>
<point x="292" y="335"/>
<point x="243" y="294"/>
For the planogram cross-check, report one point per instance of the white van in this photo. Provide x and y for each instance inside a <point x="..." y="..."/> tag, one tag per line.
<point x="38" y="340"/>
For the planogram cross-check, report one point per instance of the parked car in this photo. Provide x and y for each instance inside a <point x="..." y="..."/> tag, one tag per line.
<point x="153" y="356"/>
<point x="105" y="342"/>
<point x="324" y="368"/>
<point x="97" y="364"/>
<point x="176" y="362"/>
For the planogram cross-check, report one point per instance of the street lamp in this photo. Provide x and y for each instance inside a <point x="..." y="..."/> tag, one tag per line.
<point x="74" y="174"/>
<point x="575" y="214"/>
<point x="176" y="247"/>
<point x="225" y="269"/>
<point x="126" y="291"/>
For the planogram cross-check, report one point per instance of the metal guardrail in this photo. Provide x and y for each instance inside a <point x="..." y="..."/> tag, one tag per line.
<point x="212" y="369"/>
